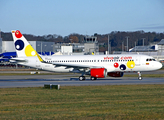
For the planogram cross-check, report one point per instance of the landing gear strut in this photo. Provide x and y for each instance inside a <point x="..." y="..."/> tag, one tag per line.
<point x="82" y="77"/>
<point x="139" y="76"/>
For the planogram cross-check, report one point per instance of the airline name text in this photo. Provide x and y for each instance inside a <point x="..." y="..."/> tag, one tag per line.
<point x="118" y="58"/>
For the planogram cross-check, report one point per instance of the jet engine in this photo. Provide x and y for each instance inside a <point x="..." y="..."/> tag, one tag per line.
<point x="115" y="74"/>
<point x="98" y="72"/>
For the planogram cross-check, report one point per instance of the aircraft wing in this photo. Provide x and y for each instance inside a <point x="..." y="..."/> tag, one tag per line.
<point x="76" y="66"/>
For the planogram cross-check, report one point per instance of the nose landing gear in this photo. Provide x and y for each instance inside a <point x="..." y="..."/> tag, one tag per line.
<point x="139" y="76"/>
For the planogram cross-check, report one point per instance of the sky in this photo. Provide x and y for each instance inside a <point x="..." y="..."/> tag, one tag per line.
<point x="86" y="17"/>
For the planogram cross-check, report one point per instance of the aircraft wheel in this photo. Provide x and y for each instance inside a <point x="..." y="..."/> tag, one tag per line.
<point x="81" y="78"/>
<point x="93" y="78"/>
<point x="140" y="78"/>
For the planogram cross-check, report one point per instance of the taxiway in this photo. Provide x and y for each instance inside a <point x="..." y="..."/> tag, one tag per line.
<point x="68" y="80"/>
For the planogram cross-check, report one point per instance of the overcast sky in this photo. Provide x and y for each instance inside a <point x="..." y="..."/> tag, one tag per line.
<point x="63" y="17"/>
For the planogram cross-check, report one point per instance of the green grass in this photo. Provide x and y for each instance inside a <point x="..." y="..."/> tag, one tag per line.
<point x="83" y="102"/>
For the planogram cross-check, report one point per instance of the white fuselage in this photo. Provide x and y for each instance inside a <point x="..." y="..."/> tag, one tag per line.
<point x="113" y="63"/>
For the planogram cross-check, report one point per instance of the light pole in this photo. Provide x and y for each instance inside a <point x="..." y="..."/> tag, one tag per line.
<point x="135" y="46"/>
<point x="127" y="42"/>
<point x="108" y="44"/>
<point x="143" y="40"/>
<point x="40" y="45"/>
<point x="122" y="46"/>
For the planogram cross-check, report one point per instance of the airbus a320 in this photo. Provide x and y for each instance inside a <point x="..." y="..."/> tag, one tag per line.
<point x="97" y="66"/>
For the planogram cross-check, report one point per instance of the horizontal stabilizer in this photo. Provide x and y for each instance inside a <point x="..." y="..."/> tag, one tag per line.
<point x="18" y="60"/>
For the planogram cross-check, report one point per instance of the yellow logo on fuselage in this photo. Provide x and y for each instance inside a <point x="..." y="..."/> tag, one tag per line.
<point x="130" y="64"/>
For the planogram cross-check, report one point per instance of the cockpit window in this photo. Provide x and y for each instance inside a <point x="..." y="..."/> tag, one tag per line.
<point x="150" y="59"/>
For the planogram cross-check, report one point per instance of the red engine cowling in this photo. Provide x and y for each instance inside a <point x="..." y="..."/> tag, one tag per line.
<point x="115" y="74"/>
<point x="98" y="72"/>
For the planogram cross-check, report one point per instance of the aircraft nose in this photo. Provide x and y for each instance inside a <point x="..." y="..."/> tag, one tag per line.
<point x="159" y="65"/>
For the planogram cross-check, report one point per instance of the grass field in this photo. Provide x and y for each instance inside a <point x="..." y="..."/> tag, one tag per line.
<point x="83" y="102"/>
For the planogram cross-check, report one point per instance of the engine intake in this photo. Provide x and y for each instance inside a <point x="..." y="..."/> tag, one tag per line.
<point x="98" y="72"/>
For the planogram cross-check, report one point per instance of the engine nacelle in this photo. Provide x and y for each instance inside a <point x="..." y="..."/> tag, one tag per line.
<point x="115" y="74"/>
<point x="98" y="72"/>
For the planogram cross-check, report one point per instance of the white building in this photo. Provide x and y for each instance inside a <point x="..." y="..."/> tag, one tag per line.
<point x="0" y="45"/>
<point x="66" y="50"/>
<point x="39" y="46"/>
<point x="8" y="46"/>
<point x="161" y="46"/>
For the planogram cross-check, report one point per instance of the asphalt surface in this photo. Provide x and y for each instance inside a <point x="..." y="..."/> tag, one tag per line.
<point x="71" y="80"/>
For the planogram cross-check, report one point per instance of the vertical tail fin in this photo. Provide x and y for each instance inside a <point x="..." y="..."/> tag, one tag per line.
<point x="22" y="46"/>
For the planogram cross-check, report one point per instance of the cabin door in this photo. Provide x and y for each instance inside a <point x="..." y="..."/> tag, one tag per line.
<point x="137" y="61"/>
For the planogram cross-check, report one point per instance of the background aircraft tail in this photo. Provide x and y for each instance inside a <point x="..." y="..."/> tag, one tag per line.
<point x="22" y="46"/>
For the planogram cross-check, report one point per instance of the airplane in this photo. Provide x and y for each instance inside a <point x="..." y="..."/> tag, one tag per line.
<point x="97" y="66"/>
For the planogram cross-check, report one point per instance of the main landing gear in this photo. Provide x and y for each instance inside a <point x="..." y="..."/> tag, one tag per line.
<point x="93" y="78"/>
<point x="81" y="78"/>
<point x="139" y="76"/>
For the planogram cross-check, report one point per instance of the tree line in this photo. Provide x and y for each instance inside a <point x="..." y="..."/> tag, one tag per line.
<point x="117" y="39"/>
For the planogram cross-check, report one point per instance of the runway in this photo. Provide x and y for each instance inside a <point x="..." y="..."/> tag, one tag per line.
<point x="68" y="80"/>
